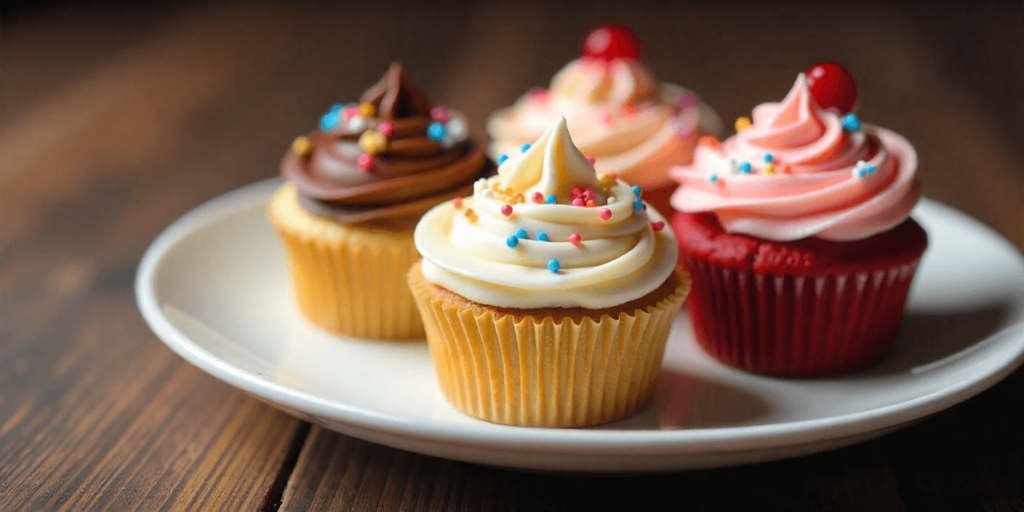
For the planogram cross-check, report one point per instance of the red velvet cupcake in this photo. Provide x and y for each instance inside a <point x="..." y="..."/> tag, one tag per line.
<point x="797" y="233"/>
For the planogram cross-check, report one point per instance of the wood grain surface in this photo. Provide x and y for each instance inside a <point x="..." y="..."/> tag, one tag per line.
<point x="115" y="119"/>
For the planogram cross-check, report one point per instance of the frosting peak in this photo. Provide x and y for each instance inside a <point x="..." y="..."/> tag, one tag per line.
<point x="394" y="96"/>
<point x="793" y="122"/>
<point x="552" y="165"/>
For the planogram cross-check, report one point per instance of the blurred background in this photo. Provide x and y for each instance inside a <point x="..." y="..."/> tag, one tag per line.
<point x="198" y="98"/>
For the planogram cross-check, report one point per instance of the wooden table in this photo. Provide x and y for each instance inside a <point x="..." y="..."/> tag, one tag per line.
<point x="115" y="120"/>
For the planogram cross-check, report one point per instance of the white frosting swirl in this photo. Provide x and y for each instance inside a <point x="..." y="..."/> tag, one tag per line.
<point x="619" y="259"/>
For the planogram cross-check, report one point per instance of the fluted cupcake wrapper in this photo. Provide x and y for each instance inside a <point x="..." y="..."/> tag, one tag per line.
<point x="797" y="325"/>
<point x="348" y="280"/>
<point x="545" y="372"/>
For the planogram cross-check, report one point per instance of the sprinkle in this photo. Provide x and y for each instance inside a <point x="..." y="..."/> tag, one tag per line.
<point x="769" y="169"/>
<point x="501" y="158"/>
<point x="506" y="209"/>
<point x="733" y="164"/>
<point x="578" y="202"/>
<point x="638" y="204"/>
<point x="521" y="233"/>
<point x="550" y="199"/>
<point x="591" y="159"/>
<point x="591" y="203"/>
<point x="851" y="122"/>
<point x="350" y="112"/>
<point x="366" y="161"/>
<point x="439" y="114"/>
<point x="542" y="236"/>
<point x="386" y="129"/>
<point x="709" y="141"/>
<point x="611" y="200"/>
<point x="744" y="167"/>
<point x="613" y="176"/>
<point x="554" y="265"/>
<point x="329" y="121"/>
<point x="525" y="147"/>
<point x="575" y="239"/>
<point x="862" y="169"/>
<point x="742" y="123"/>
<point x="628" y="109"/>
<point x="367" y="110"/>
<point x="457" y="202"/>
<point x="356" y="124"/>
<point x="768" y="158"/>
<point x="713" y="177"/>
<point x="576" y="191"/>
<point x="588" y="195"/>
<point x="437" y="131"/>
<point x="658" y="225"/>
<point x="787" y="170"/>
<point x="373" y="142"/>
<point x="456" y="130"/>
<point x="537" y="197"/>
<point x="637" y="190"/>
<point x="470" y="214"/>
<point x="512" y="241"/>
<point x="302" y="146"/>
<point x="605" y="214"/>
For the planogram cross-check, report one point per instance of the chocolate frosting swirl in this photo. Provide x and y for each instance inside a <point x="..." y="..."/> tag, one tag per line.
<point x="338" y="178"/>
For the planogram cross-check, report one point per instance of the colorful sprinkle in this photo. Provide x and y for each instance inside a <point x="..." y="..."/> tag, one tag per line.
<point x="386" y="129"/>
<point x="525" y="147"/>
<point x="366" y="161"/>
<point x="851" y="122"/>
<point x="457" y="202"/>
<point x="769" y="169"/>
<point x="356" y="124"/>
<point x="709" y="141"/>
<point x="744" y="167"/>
<point x="658" y="225"/>
<point x="637" y="190"/>
<point x="302" y="146"/>
<point x="554" y="265"/>
<point x="605" y="214"/>
<point x="768" y="158"/>
<point x="591" y="203"/>
<point x="350" y="112"/>
<point x="713" y="177"/>
<point x="537" y="197"/>
<point x="373" y="142"/>
<point x="611" y="200"/>
<point x="575" y="191"/>
<point x="506" y="209"/>
<point x="550" y="199"/>
<point x="575" y="239"/>
<point x="862" y="169"/>
<point x="638" y="204"/>
<point x="501" y="158"/>
<point x="787" y="170"/>
<point x="329" y="121"/>
<point x="613" y="176"/>
<point x="579" y="202"/>
<point x="522" y="234"/>
<point x="512" y="241"/>
<point x="439" y="114"/>
<point x="742" y="123"/>
<point x="367" y="110"/>
<point x="437" y="131"/>
<point x="628" y="109"/>
<point x="542" y="236"/>
<point x="591" y="159"/>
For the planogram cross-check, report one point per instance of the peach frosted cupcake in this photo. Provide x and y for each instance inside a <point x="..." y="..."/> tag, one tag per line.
<point x="620" y="116"/>
<point x="798" y="234"/>
<point x="549" y="293"/>
<point x="356" y="188"/>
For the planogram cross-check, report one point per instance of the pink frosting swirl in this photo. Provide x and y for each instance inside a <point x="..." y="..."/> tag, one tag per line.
<point x="807" y="175"/>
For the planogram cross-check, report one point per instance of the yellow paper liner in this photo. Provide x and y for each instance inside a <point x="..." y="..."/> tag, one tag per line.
<point x="578" y="369"/>
<point x="347" y="280"/>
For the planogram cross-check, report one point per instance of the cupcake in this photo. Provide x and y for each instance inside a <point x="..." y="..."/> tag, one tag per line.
<point x="627" y="123"/>
<point x="797" y="233"/>
<point x="549" y="293"/>
<point x="355" y="189"/>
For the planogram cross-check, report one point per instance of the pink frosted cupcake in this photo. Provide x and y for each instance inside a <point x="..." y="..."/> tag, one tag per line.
<point x="619" y="115"/>
<point x="797" y="232"/>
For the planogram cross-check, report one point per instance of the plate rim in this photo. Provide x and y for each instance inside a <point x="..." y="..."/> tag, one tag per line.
<point x="546" y="440"/>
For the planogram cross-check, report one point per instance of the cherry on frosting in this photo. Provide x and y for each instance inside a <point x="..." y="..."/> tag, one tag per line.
<point x="611" y="41"/>
<point x="832" y="86"/>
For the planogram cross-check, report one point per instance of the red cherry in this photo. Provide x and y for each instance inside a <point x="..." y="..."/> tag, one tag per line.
<point x="832" y="86"/>
<point x="611" y="41"/>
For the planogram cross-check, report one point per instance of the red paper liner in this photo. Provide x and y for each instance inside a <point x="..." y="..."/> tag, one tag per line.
<point x="796" y="325"/>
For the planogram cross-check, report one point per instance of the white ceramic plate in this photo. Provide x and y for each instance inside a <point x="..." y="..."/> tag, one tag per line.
<point x="214" y="288"/>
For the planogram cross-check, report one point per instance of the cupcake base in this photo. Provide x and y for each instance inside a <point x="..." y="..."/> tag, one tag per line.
<point x="802" y="308"/>
<point x="555" y="367"/>
<point x="347" y="279"/>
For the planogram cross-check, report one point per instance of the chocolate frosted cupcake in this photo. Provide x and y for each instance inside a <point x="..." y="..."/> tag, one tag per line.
<point x="357" y="187"/>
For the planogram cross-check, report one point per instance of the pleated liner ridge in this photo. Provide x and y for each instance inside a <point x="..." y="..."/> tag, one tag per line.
<point x="547" y="372"/>
<point x="347" y="280"/>
<point x="797" y="325"/>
